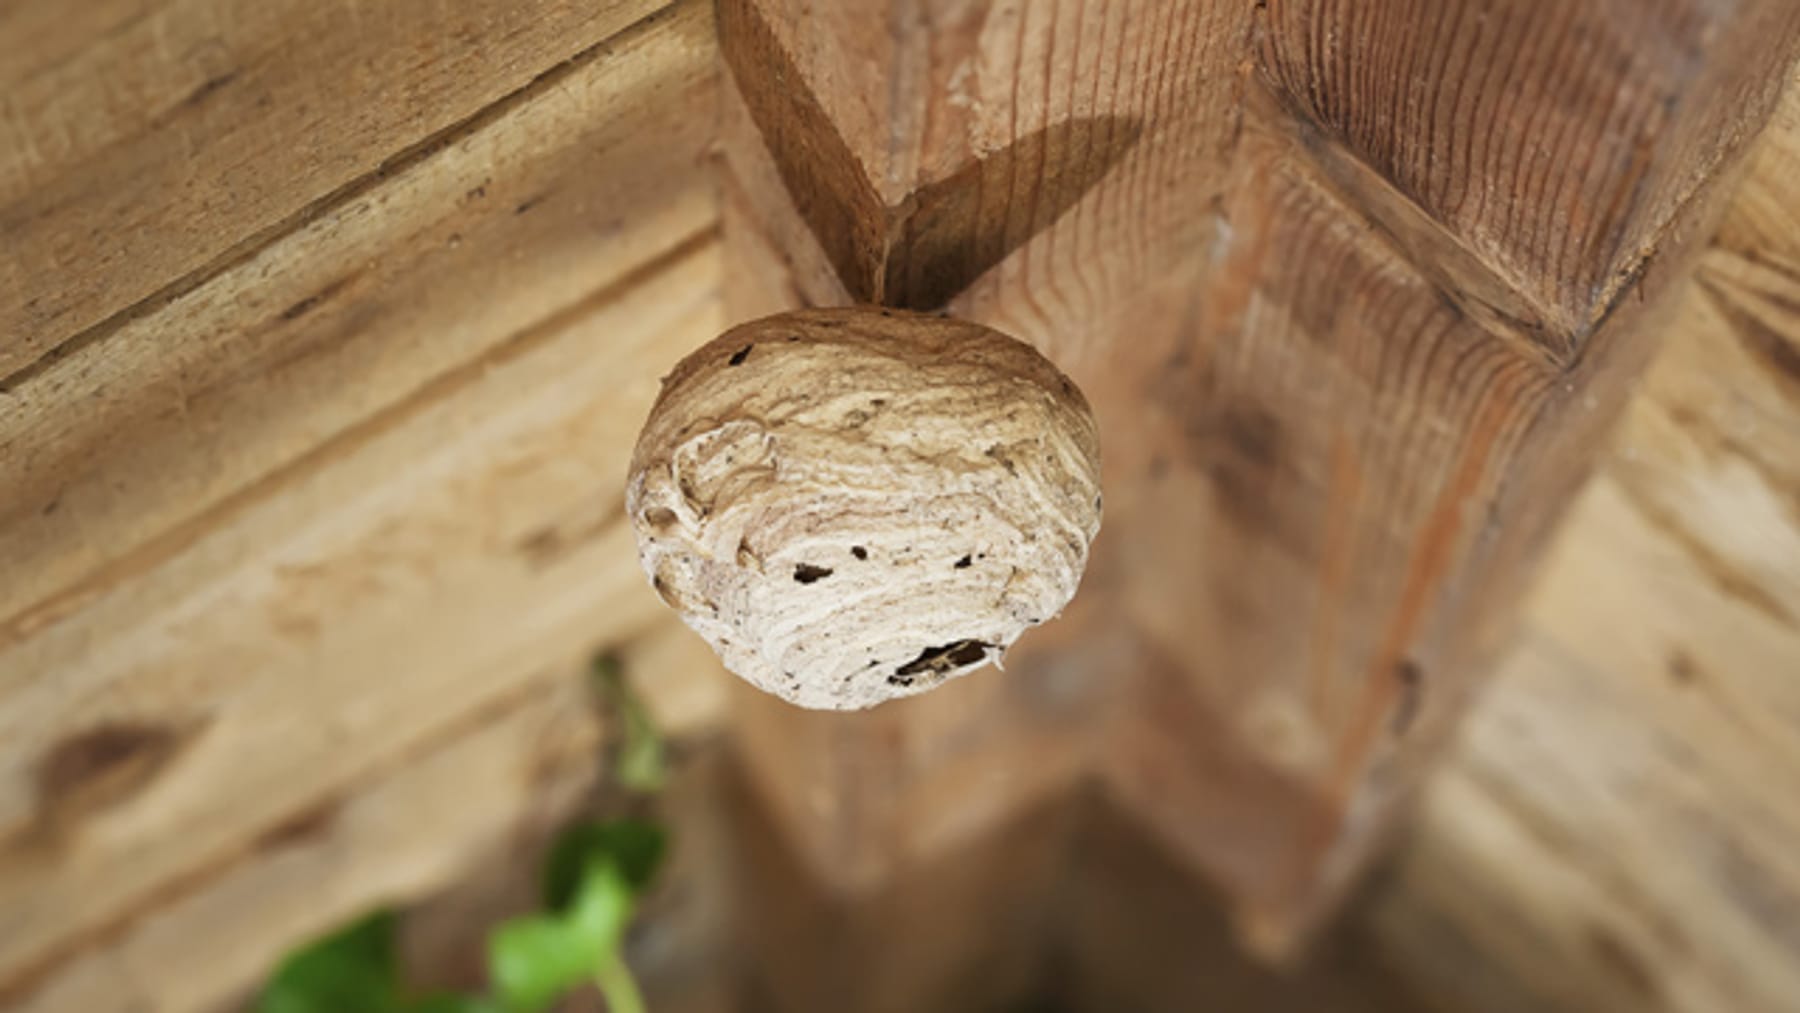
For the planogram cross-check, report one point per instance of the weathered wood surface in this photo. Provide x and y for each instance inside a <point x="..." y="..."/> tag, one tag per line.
<point x="304" y="557"/>
<point x="145" y="147"/>
<point x="421" y="818"/>
<point x="1343" y="398"/>
<point x="1030" y="146"/>
<point x="1384" y="455"/>
<point x="187" y="404"/>
<point x="1613" y="826"/>
<point x="352" y="492"/>
<point x="1616" y="825"/>
<point x="1558" y="142"/>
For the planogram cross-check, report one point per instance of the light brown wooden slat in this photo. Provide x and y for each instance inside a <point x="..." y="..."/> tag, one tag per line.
<point x="1765" y="215"/>
<point x="336" y="500"/>
<point x="140" y="146"/>
<point x="1604" y="830"/>
<point x="403" y="830"/>
<point x="387" y="590"/>
<point x="126" y="440"/>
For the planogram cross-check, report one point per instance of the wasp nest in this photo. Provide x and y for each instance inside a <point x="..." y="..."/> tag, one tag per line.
<point x="853" y="505"/>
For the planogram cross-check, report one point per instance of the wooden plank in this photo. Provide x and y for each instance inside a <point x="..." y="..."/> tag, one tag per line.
<point x="1601" y="831"/>
<point x="1559" y="143"/>
<point x="142" y="144"/>
<point x="404" y="556"/>
<point x="575" y="182"/>
<point x="388" y="589"/>
<point x="407" y="827"/>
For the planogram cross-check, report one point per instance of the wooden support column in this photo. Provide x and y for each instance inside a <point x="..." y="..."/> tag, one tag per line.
<point x="1450" y="234"/>
<point x="1355" y="288"/>
<point x="1032" y="163"/>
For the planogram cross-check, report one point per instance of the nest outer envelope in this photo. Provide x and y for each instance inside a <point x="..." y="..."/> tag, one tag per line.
<point x="853" y="505"/>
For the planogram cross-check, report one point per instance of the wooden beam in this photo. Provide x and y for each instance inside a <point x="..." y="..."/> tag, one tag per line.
<point x="146" y="147"/>
<point x="1341" y="409"/>
<point x="1602" y="836"/>
<point x="1376" y="560"/>
<point x="1135" y="930"/>
<point x="908" y="151"/>
<point x="561" y="191"/>
<point x="418" y="572"/>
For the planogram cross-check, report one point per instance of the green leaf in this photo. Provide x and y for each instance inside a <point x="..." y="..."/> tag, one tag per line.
<point x="635" y="847"/>
<point x="534" y="960"/>
<point x="351" y="971"/>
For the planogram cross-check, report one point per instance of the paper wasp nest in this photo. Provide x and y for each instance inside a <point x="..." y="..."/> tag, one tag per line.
<point x="853" y="505"/>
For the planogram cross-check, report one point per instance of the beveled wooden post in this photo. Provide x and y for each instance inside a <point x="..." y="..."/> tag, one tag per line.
<point x="1356" y="289"/>
<point x="1452" y="232"/>
<point x="1013" y="158"/>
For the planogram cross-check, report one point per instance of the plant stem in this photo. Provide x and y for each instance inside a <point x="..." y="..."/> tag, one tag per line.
<point x="617" y="985"/>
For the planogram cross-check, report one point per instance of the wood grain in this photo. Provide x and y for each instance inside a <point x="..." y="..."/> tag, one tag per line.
<point x="1603" y="835"/>
<point x="426" y="514"/>
<point x="1328" y="402"/>
<point x="142" y="145"/>
<point x="310" y="634"/>
<point x="1028" y="139"/>
<point x="301" y="535"/>
<point x="918" y="251"/>
<point x="1557" y="142"/>
<point x="1318" y="448"/>
<point x="185" y="407"/>
<point x="409" y="825"/>
<point x="1399" y="530"/>
<point x="1009" y="168"/>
